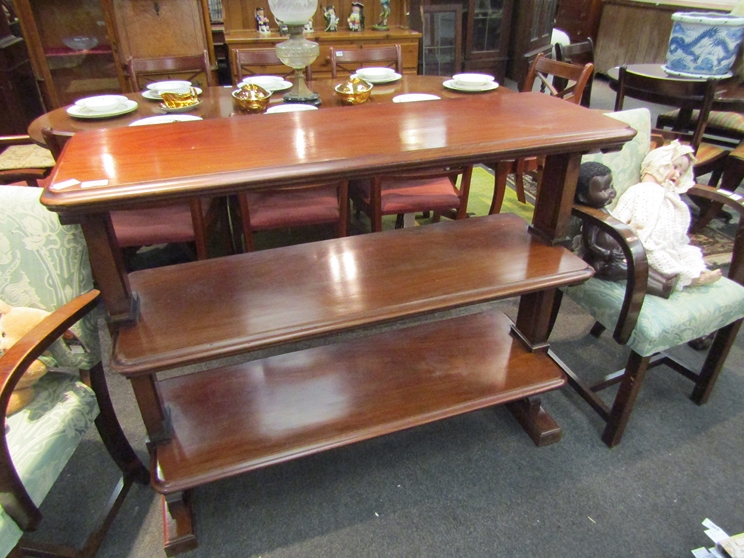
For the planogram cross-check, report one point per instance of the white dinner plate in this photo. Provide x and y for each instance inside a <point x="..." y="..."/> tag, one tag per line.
<point x="391" y="79"/>
<point x="280" y="86"/>
<point x="290" y="107"/>
<point x="81" y="102"/>
<point x="452" y="84"/>
<point x="413" y="97"/>
<point x="155" y="96"/>
<point x="82" y="112"/>
<point x="165" y="119"/>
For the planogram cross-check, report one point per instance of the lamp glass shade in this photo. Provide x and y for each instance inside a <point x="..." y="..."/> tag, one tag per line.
<point x="293" y="12"/>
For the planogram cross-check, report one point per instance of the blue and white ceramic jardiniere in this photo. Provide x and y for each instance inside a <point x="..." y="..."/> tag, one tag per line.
<point x="703" y="44"/>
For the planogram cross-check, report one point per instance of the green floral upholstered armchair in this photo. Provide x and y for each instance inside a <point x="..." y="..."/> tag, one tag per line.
<point x="647" y="324"/>
<point x="45" y="265"/>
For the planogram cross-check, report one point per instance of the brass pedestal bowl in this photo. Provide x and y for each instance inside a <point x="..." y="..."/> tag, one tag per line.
<point x="252" y="98"/>
<point x="354" y="91"/>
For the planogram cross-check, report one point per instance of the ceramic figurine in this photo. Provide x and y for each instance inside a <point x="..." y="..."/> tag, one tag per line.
<point x="283" y="29"/>
<point x="356" y="18"/>
<point x="594" y="188"/>
<point x="308" y="26"/>
<point x="384" y="14"/>
<point x="331" y="18"/>
<point x="658" y="215"/>
<point x="262" y="22"/>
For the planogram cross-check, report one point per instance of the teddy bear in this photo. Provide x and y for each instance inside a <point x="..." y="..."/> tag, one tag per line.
<point x="15" y="322"/>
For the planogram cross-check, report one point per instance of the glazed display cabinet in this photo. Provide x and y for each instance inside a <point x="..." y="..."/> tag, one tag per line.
<point x="80" y="47"/>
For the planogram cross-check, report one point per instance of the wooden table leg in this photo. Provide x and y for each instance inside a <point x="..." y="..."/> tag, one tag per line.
<point x="108" y="268"/>
<point x="178" y="524"/>
<point x="153" y="410"/>
<point x="553" y="205"/>
<point x="538" y="424"/>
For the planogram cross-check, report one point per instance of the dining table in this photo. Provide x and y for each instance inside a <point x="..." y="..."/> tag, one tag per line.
<point x="217" y="102"/>
<point x="729" y="93"/>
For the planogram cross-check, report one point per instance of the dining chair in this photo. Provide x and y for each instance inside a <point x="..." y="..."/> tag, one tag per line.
<point x="576" y="53"/>
<point x="194" y="68"/>
<point x="22" y="161"/>
<point x="349" y="60"/>
<point x="650" y="325"/>
<point x="572" y="80"/>
<point x="246" y="61"/>
<point x="434" y="190"/>
<point x="46" y="266"/>
<point x="165" y="224"/>
<point x="314" y="204"/>
<point x="685" y="94"/>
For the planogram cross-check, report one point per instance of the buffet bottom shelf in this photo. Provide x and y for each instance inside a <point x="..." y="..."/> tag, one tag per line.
<point x="236" y="419"/>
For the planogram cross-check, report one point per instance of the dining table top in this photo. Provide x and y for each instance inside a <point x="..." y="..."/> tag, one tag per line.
<point x="729" y="93"/>
<point x="217" y="102"/>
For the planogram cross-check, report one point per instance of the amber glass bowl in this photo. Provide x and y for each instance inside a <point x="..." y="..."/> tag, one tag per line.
<point x="252" y="98"/>
<point x="354" y="91"/>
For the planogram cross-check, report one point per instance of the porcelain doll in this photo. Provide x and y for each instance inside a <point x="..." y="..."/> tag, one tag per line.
<point x="654" y="209"/>
<point x="262" y="22"/>
<point x="384" y="14"/>
<point x="599" y="249"/>
<point x="356" y="18"/>
<point x="331" y="19"/>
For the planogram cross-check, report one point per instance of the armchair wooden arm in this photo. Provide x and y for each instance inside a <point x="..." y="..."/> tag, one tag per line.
<point x="14" y="498"/>
<point x="635" y="256"/>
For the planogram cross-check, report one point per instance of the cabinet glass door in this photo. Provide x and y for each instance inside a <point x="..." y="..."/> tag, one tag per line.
<point x="440" y="44"/>
<point x="75" y="43"/>
<point x="487" y="21"/>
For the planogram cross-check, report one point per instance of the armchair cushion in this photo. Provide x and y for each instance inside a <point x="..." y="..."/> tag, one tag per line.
<point x="626" y="163"/>
<point x="25" y="157"/>
<point x="43" y="436"/>
<point x="33" y="275"/>
<point x="664" y="323"/>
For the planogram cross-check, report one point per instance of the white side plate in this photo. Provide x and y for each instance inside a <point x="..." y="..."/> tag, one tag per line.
<point x="155" y="96"/>
<point x="413" y="97"/>
<point x="380" y="80"/>
<point x="165" y="119"/>
<point x="291" y="107"/>
<point x="451" y="84"/>
<point x="82" y="112"/>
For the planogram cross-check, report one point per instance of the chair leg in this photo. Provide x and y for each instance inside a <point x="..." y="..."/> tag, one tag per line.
<point x="714" y="362"/>
<point x="519" y="181"/>
<point x="110" y="430"/>
<point x="635" y="371"/>
<point x="501" y="172"/>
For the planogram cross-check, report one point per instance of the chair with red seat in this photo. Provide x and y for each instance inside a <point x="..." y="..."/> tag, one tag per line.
<point x="299" y="206"/>
<point x="163" y="224"/>
<point x="434" y="190"/>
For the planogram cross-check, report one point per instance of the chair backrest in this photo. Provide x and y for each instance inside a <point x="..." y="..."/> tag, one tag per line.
<point x="196" y="69"/>
<point x="349" y="60"/>
<point x="576" y="77"/>
<point x="245" y="61"/>
<point x="683" y="93"/>
<point x="576" y="53"/>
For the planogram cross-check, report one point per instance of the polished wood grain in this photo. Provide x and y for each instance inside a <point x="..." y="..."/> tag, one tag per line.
<point x="217" y="102"/>
<point x="267" y="298"/>
<point x="325" y="397"/>
<point x="231" y="154"/>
